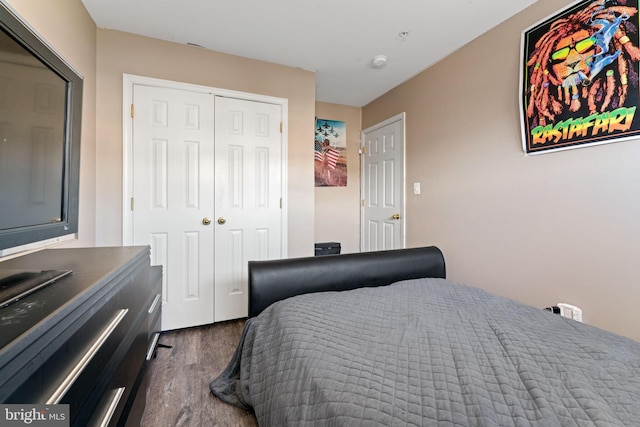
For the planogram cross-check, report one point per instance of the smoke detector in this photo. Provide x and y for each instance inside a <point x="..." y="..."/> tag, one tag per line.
<point x="379" y="61"/>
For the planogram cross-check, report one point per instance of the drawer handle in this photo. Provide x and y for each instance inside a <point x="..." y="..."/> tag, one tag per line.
<point x="154" y="303"/>
<point x="77" y="370"/>
<point x="111" y="409"/>
<point x="152" y="347"/>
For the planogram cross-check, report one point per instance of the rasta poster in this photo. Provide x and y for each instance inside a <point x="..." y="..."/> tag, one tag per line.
<point x="579" y="77"/>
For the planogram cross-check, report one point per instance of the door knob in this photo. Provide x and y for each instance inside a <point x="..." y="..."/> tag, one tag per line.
<point x="221" y="220"/>
<point x="206" y="220"/>
<point x="396" y="216"/>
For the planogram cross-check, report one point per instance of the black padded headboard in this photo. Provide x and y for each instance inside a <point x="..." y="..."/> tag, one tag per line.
<point x="271" y="281"/>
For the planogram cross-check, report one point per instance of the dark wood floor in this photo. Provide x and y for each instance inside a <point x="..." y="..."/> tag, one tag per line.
<point x="178" y="393"/>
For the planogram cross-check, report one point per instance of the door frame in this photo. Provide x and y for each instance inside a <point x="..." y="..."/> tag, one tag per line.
<point x="401" y="118"/>
<point x="128" y="81"/>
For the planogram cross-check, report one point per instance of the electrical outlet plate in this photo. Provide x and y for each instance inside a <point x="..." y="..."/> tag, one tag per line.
<point x="570" y="311"/>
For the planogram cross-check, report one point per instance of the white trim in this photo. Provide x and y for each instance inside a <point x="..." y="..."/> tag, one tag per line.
<point x="398" y="117"/>
<point x="129" y="80"/>
<point x="16" y="251"/>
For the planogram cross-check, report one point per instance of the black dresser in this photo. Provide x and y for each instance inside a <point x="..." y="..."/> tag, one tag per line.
<point x="86" y="339"/>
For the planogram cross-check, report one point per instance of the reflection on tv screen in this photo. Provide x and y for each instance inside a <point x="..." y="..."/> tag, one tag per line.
<point x="32" y="120"/>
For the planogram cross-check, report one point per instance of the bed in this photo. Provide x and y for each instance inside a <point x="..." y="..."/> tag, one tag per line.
<point x="383" y="338"/>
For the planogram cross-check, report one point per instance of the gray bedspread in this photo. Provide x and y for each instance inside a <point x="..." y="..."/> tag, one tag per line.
<point x="429" y="352"/>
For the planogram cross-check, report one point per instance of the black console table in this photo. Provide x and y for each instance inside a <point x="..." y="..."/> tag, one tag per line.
<point x="86" y="339"/>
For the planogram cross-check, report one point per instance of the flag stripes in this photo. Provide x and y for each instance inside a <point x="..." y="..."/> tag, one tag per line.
<point x="332" y="157"/>
<point x="317" y="152"/>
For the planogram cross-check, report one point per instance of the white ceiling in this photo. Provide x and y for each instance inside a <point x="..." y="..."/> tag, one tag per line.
<point x="336" y="39"/>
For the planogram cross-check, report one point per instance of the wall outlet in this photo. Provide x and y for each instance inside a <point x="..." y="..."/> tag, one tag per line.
<point x="570" y="311"/>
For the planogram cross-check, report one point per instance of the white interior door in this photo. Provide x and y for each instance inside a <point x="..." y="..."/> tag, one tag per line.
<point x="248" y="197"/>
<point x="186" y="148"/>
<point x="382" y="186"/>
<point x="173" y="147"/>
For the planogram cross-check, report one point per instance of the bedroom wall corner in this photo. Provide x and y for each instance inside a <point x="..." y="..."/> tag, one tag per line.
<point x="557" y="227"/>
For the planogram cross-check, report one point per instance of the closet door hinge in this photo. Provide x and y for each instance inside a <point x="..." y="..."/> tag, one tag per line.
<point x="132" y="111"/>
<point x="132" y="203"/>
<point x="280" y="127"/>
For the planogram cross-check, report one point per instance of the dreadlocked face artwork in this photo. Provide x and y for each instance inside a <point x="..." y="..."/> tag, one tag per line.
<point x="571" y="61"/>
<point x="578" y="75"/>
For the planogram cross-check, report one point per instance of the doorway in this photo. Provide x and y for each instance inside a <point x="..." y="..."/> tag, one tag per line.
<point x="382" y="166"/>
<point x="204" y="188"/>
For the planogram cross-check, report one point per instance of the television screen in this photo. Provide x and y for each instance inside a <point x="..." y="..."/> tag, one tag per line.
<point x="32" y="127"/>
<point x="40" y="121"/>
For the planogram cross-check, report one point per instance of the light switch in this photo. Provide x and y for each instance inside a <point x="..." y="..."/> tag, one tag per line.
<point x="416" y="188"/>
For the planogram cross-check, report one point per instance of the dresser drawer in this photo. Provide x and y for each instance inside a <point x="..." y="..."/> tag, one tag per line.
<point x="155" y="309"/>
<point x="76" y="369"/>
<point x="121" y="391"/>
<point x="83" y="340"/>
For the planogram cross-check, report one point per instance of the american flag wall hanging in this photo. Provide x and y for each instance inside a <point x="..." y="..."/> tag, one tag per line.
<point x="330" y="153"/>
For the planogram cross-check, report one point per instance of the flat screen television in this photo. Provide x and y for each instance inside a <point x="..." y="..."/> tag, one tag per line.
<point x="40" y="118"/>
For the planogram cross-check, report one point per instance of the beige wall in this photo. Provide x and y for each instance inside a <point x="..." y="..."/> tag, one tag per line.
<point x="338" y="208"/>
<point x="103" y="56"/>
<point x="558" y="227"/>
<point x="543" y="229"/>
<point x="67" y="27"/>
<point x="120" y="53"/>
